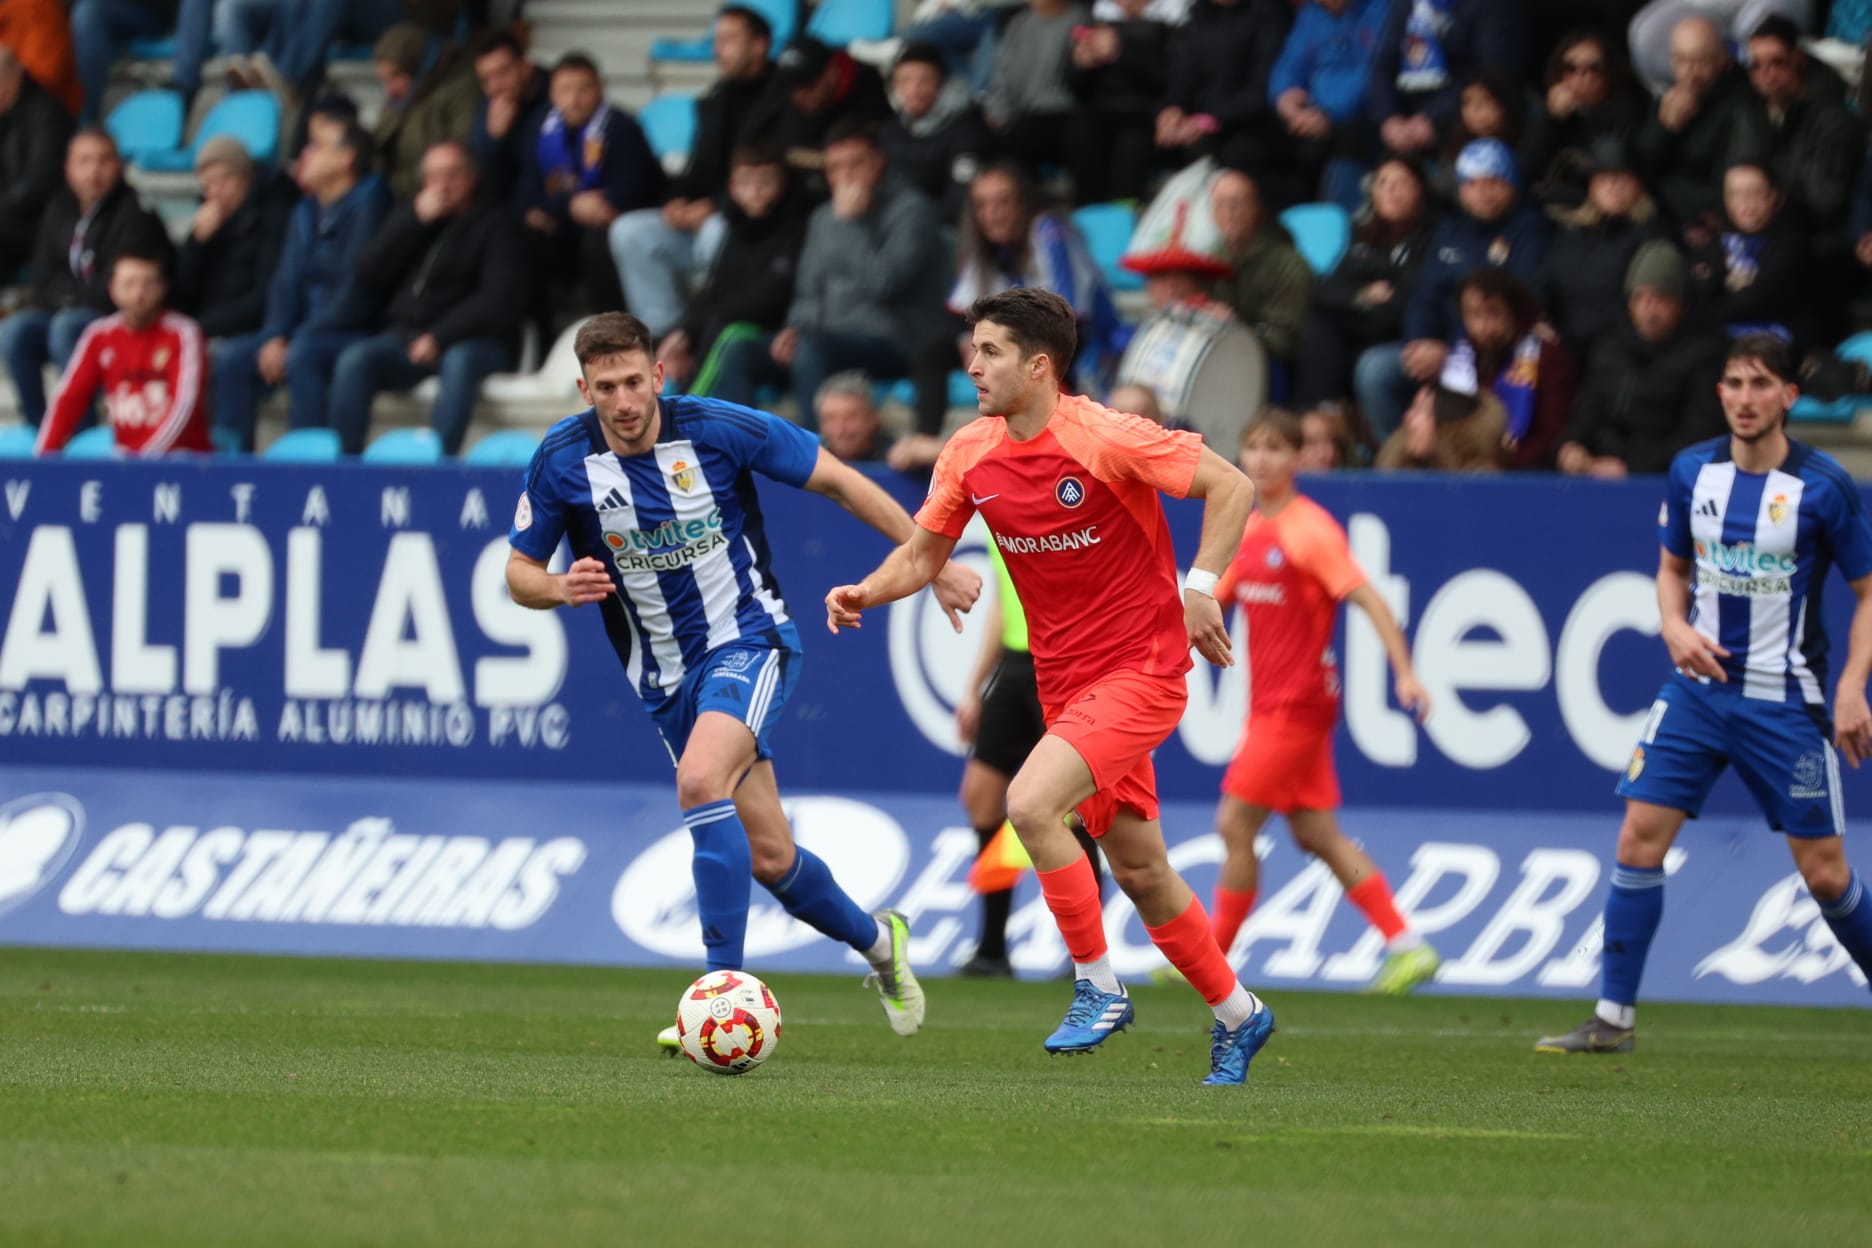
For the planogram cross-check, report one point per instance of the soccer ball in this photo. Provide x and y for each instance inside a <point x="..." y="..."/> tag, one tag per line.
<point x="728" y="1022"/>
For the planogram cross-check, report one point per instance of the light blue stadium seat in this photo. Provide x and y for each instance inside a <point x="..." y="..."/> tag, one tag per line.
<point x="669" y="123"/>
<point x="1107" y="229"/>
<point x="16" y="441"/>
<point x="162" y="49"/>
<point x="253" y="117"/>
<point x="1322" y="232"/>
<point x="145" y="124"/>
<point x="1843" y="410"/>
<point x="305" y="446"/>
<point x="782" y="15"/>
<point x="836" y="23"/>
<point x="97" y="442"/>
<point x="405" y="446"/>
<point x="961" y="390"/>
<point x="504" y="448"/>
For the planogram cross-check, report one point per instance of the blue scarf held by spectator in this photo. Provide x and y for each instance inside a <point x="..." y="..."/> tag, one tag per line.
<point x="1424" y="65"/>
<point x="1516" y="387"/>
<point x="1741" y="266"/>
<point x="570" y="161"/>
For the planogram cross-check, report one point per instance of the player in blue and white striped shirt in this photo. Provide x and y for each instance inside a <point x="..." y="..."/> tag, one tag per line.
<point x="1750" y="526"/>
<point x="657" y="500"/>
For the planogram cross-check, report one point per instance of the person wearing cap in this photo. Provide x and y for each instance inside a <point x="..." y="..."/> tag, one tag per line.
<point x="935" y="137"/>
<point x="430" y="96"/>
<point x="1492" y="229"/>
<point x="1582" y="284"/>
<point x="658" y="251"/>
<point x="233" y="244"/>
<point x="341" y="205"/>
<point x="1650" y="389"/>
<point x="825" y="90"/>
<point x="1590" y="99"/>
<point x="1426" y="52"/>
<point x="91" y="218"/>
<point x="1683" y="145"/>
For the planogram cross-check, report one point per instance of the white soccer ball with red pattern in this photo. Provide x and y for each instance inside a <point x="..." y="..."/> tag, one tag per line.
<point x="728" y="1022"/>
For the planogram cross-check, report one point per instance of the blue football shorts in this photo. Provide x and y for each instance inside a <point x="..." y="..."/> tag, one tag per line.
<point x="1779" y="750"/>
<point x="749" y="681"/>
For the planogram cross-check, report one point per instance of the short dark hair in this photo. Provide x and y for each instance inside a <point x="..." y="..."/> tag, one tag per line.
<point x="496" y="39"/>
<point x="1039" y="322"/>
<point x="94" y="131"/>
<point x="352" y="136"/>
<point x="1771" y="351"/>
<point x="1277" y="422"/>
<point x="144" y="250"/>
<point x="755" y="21"/>
<point x="612" y="333"/>
<point x="580" y="62"/>
<point x="852" y="129"/>
<point x="1779" y="28"/>
<point x="1759" y="166"/>
<point x="757" y="153"/>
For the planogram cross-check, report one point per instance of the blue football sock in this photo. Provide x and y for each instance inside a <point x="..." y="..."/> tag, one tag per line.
<point x="1632" y="911"/>
<point x="811" y="895"/>
<point x="1850" y="917"/>
<point x="723" y="867"/>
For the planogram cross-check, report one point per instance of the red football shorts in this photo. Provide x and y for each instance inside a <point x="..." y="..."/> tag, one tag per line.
<point x="1114" y="724"/>
<point x="1285" y="762"/>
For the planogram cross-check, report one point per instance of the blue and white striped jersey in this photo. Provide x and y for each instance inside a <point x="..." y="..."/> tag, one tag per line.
<point x="679" y="527"/>
<point x="1761" y="544"/>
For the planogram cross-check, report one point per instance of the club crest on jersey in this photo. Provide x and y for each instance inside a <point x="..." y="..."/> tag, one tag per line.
<point x="1777" y="509"/>
<point x="1635" y="768"/>
<point x="682" y="475"/>
<point x="523" y="512"/>
<point x="1070" y="492"/>
<point x="161" y="358"/>
<point x="1275" y="558"/>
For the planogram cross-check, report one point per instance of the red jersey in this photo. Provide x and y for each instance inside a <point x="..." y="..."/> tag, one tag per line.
<point x="152" y="384"/>
<point x="1076" y="515"/>
<point x="1289" y="576"/>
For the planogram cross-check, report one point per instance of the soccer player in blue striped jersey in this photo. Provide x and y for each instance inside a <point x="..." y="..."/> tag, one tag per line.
<point x="656" y="498"/>
<point x="1750" y="526"/>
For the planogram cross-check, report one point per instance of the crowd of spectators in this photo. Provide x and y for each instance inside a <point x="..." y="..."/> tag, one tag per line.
<point x="1560" y="211"/>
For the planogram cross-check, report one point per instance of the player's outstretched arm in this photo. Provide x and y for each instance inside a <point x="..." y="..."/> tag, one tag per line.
<point x="1411" y="694"/>
<point x="1691" y="652"/>
<point x="957" y="587"/>
<point x="904" y="571"/>
<point x="533" y="586"/>
<point x="1228" y="497"/>
<point x="1852" y="719"/>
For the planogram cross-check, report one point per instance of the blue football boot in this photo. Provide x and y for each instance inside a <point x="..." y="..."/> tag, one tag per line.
<point x="1094" y="1016"/>
<point x="1231" y="1051"/>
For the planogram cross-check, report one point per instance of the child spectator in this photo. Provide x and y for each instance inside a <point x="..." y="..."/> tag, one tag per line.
<point x="146" y="361"/>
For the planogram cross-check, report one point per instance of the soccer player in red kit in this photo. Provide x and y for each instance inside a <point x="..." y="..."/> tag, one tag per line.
<point x="150" y="363"/>
<point x="1070" y="489"/>
<point x="1289" y="577"/>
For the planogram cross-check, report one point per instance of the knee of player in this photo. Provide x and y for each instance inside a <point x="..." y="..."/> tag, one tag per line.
<point x="1827" y="877"/>
<point x="1032" y="813"/>
<point x="1142" y="876"/>
<point x="770" y="862"/>
<point x="698" y="786"/>
<point x="1641" y="844"/>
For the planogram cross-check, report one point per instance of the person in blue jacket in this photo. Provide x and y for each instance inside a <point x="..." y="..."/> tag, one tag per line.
<point x="1321" y="86"/>
<point x="342" y="206"/>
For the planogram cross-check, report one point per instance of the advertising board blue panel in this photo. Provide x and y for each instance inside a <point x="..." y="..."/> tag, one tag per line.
<point x="259" y="618"/>
<point x="574" y="872"/>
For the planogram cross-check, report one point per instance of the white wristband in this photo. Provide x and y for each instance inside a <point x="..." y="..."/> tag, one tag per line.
<point x="1201" y="582"/>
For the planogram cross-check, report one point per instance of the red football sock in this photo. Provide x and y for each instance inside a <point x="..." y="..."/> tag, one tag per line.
<point x="1373" y="896"/>
<point x="1190" y="944"/>
<point x="1232" y="908"/>
<point x="1073" y="897"/>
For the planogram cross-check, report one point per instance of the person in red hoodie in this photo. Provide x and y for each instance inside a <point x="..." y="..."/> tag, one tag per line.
<point x="148" y="361"/>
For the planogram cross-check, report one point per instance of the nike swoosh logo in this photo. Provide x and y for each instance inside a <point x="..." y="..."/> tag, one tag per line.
<point x="979" y="501"/>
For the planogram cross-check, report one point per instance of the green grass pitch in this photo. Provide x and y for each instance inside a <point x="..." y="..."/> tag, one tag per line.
<point x="149" y="1099"/>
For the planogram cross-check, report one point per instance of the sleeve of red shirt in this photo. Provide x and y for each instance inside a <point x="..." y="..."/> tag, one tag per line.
<point x="77" y="390"/>
<point x="1317" y="546"/>
<point x="188" y="365"/>
<point x="948" y="508"/>
<point x="1117" y="446"/>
